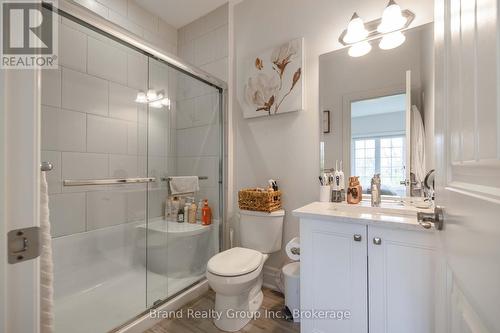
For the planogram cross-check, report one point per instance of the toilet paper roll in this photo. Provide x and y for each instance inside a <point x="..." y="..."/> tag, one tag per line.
<point x="292" y="249"/>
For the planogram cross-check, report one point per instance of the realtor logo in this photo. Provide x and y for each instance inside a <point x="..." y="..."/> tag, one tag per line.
<point x="29" y="35"/>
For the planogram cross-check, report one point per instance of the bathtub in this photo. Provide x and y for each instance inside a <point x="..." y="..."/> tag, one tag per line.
<point x="175" y="249"/>
<point x="100" y="277"/>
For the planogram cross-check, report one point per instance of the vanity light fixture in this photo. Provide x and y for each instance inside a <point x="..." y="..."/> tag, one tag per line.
<point x="388" y="29"/>
<point x="155" y="99"/>
<point x="356" y="31"/>
<point x="392" y="40"/>
<point x="360" y="49"/>
<point x="392" y="18"/>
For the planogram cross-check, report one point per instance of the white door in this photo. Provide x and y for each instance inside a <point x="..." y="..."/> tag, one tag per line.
<point x="407" y="179"/>
<point x="468" y="161"/>
<point x="334" y="255"/>
<point x="402" y="280"/>
<point x="19" y="192"/>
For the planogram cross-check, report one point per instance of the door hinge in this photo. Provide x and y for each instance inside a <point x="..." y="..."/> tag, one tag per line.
<point x="23" y="244"/>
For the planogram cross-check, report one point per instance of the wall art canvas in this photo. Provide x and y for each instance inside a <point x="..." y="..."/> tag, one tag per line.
<point x="272" y="82"/>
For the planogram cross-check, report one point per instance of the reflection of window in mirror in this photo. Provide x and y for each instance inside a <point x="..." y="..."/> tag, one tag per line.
<point x="378" y="142"/>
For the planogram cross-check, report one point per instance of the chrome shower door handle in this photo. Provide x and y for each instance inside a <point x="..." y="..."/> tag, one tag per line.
<point x="427" y="219"/>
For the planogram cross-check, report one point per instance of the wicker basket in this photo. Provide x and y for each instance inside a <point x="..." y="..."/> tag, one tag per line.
<point x="259" y="200"/>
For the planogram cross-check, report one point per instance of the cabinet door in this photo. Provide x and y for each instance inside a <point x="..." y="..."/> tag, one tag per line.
<point x="333" y="275"/>
<point x="402" y="280"/>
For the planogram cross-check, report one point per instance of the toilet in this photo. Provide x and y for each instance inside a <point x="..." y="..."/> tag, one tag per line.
<point x="236" y="274"/>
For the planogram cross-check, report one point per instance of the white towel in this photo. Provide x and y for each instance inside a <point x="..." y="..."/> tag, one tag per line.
<point x="417" y="145"/>
<point x="184" y="184"/>
<point x="46" y="264"/>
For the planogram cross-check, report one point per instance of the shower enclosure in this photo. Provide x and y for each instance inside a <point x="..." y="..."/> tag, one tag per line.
<point x="117" y="124"/>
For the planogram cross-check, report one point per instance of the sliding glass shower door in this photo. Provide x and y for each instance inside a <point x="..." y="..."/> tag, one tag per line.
<point x="184" y="139"/>
<point x="118" y="125"/>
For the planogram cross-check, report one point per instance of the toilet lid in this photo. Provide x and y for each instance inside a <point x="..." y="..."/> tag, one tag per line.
<point x="235" y="261"/>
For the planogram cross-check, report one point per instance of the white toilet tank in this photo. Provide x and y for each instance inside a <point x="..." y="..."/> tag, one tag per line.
<point x="261" y="231"/>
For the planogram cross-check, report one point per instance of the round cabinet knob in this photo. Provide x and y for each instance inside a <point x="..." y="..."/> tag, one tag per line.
<point x="377" y="240"/>
<point x="357" y="238"/>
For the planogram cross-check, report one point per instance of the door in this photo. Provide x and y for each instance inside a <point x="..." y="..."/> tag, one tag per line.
<point x="402" y="280"/>
<point x="407" y="180"/>
<point x="468" y="166"/>
<point x="19" y="287"/>
<point x="334" y="255"/>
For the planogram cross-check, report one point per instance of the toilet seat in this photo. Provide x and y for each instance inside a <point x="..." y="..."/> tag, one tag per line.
<point x="234" y="262"/>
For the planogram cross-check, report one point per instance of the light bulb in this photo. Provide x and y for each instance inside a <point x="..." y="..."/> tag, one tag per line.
<point x="141" y="97"/>
<point x="156" y="104"/>
<point x="392" y="19"/>
<point x="355" y="30"/>
<point x="359" y="49"/>
<point x="151" y="94"/>
<point x="392" y="40"/>
<point x="166" y="102"/>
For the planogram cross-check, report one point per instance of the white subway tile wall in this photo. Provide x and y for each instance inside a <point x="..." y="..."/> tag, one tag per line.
<point x="204" y="42"/>
<point x="132" y="17"/>
<point x="93" y="129"/>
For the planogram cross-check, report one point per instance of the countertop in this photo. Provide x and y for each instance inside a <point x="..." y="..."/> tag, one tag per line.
<point x="390" y="214"/>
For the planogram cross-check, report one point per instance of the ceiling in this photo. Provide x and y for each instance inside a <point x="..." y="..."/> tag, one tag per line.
<point x="380" y="105"/>
<point x="178" y="13"/>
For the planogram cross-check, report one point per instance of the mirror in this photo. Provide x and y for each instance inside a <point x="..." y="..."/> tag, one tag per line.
<point x="380" y="113"/>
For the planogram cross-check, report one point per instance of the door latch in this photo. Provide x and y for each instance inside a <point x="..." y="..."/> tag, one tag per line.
<point x="23" y="244"/>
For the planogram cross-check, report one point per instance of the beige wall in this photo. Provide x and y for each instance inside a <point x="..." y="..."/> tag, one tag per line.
<point x="285" y="147"/>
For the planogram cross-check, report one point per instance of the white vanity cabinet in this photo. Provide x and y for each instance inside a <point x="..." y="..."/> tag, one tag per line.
<point x="333" y="275"/>
<point x="402" y="280"/>
<point x="384" y="275"/>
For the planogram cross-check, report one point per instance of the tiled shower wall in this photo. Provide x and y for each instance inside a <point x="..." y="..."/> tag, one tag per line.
<point x="204" y="43"/>
<point x="93" y="129"/>
<point x="137" y="20"/>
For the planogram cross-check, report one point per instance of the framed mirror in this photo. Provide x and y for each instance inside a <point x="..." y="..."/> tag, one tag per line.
<point x="383" y="106"/>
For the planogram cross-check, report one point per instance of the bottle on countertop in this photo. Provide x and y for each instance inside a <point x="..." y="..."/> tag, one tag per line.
<point x="375" y="190"/>
<point x="168" y="208"/>
<point x="187" y="206"/>
<point x="206" y="214"/>
<point x="192" y="212"/>
<point x="180" y="215"/>
<point x="174" y="208"/>
<point x="198" y="210"/>
<point x="354" y="192"/>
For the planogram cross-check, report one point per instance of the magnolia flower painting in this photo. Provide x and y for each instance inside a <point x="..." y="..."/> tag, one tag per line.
<point x="274" y="83"/>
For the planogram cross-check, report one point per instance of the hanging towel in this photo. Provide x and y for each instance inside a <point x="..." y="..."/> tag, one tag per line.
<point x="417" y="145"/>
<point x="46" y="264"/>
<point x="184" y="184"/>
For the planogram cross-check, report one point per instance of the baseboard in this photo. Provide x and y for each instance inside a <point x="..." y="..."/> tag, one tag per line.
<point x="146" y="322"/>
<point x="271" y="278"/>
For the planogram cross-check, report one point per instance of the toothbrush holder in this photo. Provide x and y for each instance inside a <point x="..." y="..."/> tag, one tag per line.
<point x="324" y="193"/>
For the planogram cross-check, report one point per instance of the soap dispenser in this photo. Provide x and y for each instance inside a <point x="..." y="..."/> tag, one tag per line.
<point x="354" y="192"/>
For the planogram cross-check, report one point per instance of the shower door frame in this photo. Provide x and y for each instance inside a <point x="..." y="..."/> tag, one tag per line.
<point x="19" y="290"/>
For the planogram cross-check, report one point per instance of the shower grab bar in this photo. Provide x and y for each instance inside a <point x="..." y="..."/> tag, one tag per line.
<point x="111" y="181"/>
